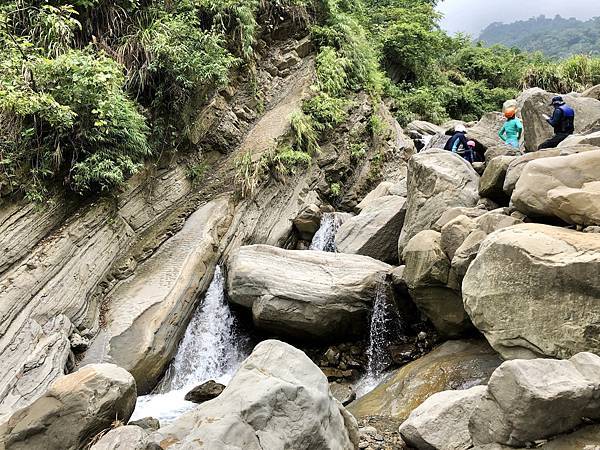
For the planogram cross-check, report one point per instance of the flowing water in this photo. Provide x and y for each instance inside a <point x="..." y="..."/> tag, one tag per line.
<point x="324" y="238"/>
<point x="386" y="327"/>
<point x="211" y="349"/>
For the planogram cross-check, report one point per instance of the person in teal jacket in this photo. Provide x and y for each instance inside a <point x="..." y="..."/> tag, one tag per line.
<point x="512" y="129"/>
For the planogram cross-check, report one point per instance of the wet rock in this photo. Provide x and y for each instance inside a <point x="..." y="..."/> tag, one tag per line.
<point x="437" y="181"/>
<point x="205" y="392"/>
<point x="146" y="423"/>
<point x="535" y="102"/>
<point x="427" y="275"/>
<point x="308" y="294"/>
<point x="453" y="365"/>
<point x="253" y="412"/>
<point x="343" y="392"/>
<point x="531" y="400"/>
<point x="74" y="409"/>
<point x="567" y="187"/>
<point x="442" y="421"/>
<point x="375" y="231"/>
<point x="550" y="275"/>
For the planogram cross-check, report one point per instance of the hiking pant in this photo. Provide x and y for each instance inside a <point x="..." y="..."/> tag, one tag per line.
<point x="554" y="141"/>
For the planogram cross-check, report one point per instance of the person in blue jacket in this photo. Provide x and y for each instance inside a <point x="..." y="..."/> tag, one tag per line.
<point x="458" y="140"/>
<point x="563" y="122"/>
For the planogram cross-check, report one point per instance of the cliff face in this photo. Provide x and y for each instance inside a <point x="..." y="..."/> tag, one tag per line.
<point x="114" y="270"/>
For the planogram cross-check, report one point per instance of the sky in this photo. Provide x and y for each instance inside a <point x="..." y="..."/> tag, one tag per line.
<point x="472" y="16"/>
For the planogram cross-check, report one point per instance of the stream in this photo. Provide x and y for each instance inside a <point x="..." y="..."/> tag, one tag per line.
<point x="211" y="349"/>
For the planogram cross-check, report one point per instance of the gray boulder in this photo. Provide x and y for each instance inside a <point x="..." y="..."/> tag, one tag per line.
<point x="437" y="181"/>
<point x="535" y="102"/>
<point x="375" y="231"/>
<point x="308" y="220"/>
<point x="442" y="421"/>
<point x="566" y="187"/>
<point x="531" y="400"/>
<point x="593" y="92"/>
<point x="205" y="392"/>
<point x="128" y="437"/>
<point x="74" y="409"/>
<point x="491" y="184"/>
<point x="454" y="234"/>
<point x="430" y="284"/>
<point x="267" y="405"/>
<point x="485" y="132"/>
<point x="147" y="313"/>
<point x="581" y="139"/>
<point x="305" y="294"/>
<point x="532" y="291"/>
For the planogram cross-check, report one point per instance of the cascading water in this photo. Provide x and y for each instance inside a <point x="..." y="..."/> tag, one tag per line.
<point x="324" y="238"/>
<point x="211" y="349"/>
<point x="386" y="327"/>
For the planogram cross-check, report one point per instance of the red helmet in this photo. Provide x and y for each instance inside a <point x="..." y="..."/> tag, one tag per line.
<point x="510" y="113"/>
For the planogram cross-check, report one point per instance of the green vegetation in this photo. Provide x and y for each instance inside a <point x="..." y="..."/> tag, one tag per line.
<point x="92" y="89"/>
<point x="554" y="37"/>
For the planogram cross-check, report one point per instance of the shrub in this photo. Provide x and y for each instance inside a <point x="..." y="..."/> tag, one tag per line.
<point x="72" y="119"/>
<point x="326" y="111"/>
<point x="305" y="135"/>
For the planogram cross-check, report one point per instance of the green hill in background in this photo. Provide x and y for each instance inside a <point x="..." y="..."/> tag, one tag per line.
<point x="556" y="37"/>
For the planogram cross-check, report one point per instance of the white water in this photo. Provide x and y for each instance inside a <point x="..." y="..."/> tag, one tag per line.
<point x="324" y="238"/>
<point x="211" y="349"/>
<point x="385" y="325"/>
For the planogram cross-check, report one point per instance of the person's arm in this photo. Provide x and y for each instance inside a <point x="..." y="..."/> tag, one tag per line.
<point x="520" y="128"/>
<point x="502" y="133"/>
<point x="464" y="141"/>
<point x="556" y="118"/>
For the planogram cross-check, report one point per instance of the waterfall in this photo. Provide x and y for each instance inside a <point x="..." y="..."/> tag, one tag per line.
<point x="211" y="349"/>
<point x="324" y="238"/>
<point x="386" y="327"/>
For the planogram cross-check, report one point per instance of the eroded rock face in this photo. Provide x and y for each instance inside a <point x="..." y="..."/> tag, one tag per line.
<point x="430" y="284"/>
<point x="535" y="102"/>
<point x="437" y="181"/>
<point x="305" y="294"/>
<point x="375" y="231"/>
<point x="148" y="312"/>
<point x="533" y="291"/>
<point x="73" y="410"/>
<point x="270" y="405"/>
<point x="532" y="400"/>
<point x="567" y="187"/>
<point x="442" y="421"/>
<point x="453" y="365"/>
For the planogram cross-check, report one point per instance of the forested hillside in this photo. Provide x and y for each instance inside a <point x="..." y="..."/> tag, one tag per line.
<point x="556" y="37"/>
<point x="90" y="90"/>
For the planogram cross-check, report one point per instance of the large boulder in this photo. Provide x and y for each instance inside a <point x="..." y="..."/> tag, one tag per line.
<point x="581" y="139"/>
<point x="430" y="284"/>
<point x="485" y="132"/>
<point x="147" y="313"/>
<point x="453" y="365"/>
<point x="528" y="401"/>
<point x="567" y="187"/>
<point x="375" y="231"/>
<point x="128" y="437"/>
<point x="305" y="294"/>
<point x="534" y="103"/>
<point x="533" y="290"/>
<point x="278" y="399"/>
<point x="74" y="409"/>
<point x="593" y="92"/>
<point x="437" y="181"/>
<point x="491" y="184"/>
<point x="442" y="421"/>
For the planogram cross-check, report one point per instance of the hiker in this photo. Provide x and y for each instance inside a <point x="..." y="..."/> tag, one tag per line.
<point x="469" y="154"/>
<point x="563" y="122"/>
<point x="458" y="139"/>
<point x="512" y="130"/>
